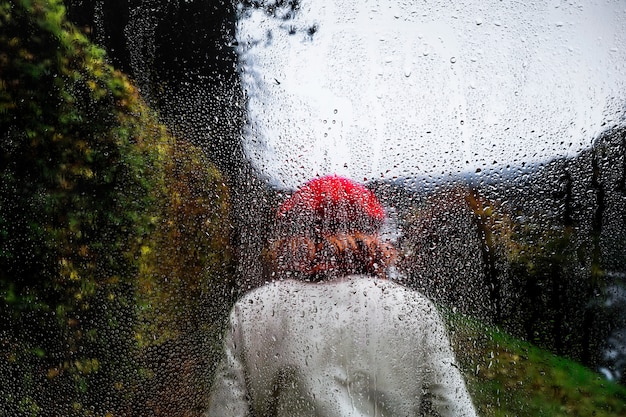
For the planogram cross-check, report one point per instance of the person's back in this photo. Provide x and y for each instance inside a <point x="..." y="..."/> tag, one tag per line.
<point x="353" y="346"/>
<point x="340" y="340"/>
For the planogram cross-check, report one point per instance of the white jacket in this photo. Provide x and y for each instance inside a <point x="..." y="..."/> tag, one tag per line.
<point x="354" y="346"/>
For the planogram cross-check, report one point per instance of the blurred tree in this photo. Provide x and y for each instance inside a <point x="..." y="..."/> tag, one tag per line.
<point x="437" y="254"/>
<point x="453" y="245"/>
<point x="537" y="277"/>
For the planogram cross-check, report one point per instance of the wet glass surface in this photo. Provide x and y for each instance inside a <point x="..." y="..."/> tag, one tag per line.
<point x="140" y="185"/>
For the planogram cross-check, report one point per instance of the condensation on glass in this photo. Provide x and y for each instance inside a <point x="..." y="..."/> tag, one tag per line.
<point x="494" y="134"/>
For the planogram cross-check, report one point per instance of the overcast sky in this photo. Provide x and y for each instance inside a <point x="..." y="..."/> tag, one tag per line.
<point x="383" y="89"/>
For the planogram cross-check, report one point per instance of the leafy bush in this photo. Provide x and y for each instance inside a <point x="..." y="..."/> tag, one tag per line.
<point x="184" y="288"/>
<point x="90" y="185"/>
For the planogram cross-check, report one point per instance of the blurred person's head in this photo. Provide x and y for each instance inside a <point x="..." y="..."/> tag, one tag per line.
<point x="330" y="227"/>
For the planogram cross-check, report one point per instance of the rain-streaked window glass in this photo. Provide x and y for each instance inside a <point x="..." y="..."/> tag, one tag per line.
<point x="312" y="207"/>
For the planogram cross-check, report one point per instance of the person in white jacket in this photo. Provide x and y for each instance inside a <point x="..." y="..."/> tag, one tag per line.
<point x="331" y="336"/>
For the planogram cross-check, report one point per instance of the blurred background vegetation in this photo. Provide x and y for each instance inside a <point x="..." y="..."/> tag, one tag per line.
<point x="122" y="223"/>
<point x="114" y="234"/>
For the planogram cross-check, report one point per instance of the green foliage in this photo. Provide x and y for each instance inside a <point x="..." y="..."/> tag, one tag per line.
<point x="172" y="288"/>
<point x="184" y="286"/>
<point x="88" y="179"/>
<point x="510" y="377"/>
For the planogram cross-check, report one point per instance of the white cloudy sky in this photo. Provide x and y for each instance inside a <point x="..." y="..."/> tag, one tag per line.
<point x="414" y="88"/>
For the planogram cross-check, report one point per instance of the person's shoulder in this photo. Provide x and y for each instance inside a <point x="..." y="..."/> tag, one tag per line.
<point x="380" y="284"/>
<point x="267" y="293"/>
<point x="388" y="289"/>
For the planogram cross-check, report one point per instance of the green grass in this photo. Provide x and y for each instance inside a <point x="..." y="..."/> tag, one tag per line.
<point x="511" y="377"/>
